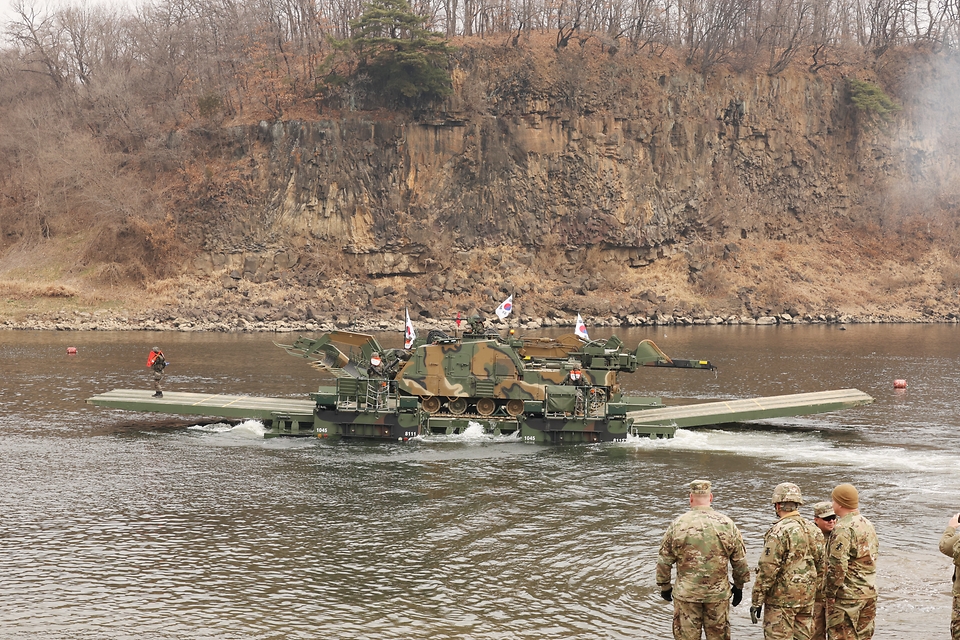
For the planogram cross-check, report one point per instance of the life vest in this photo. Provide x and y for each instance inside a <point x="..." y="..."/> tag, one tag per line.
<point x="152" y="358"/>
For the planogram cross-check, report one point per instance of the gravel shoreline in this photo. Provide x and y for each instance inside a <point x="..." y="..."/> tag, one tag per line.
<point x="107" y="321"/>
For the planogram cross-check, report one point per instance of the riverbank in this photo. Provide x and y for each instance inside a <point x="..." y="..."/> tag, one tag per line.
<point x="241" y="322"/>
<point x="759" y="284"/>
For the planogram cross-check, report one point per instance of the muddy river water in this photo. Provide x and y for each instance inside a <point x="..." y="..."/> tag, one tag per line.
<point x="121" y="525"/>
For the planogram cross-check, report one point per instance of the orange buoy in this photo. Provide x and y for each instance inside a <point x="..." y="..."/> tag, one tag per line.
<point x="71" y="351"/>
<point x="899" y="384"/>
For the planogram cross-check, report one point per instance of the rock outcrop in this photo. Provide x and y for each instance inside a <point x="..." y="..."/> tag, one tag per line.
<point x="583" y="181"/>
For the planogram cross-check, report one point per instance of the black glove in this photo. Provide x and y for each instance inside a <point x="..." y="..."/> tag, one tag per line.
<point x="667" y="595"/>
<point x="755" y="614"/>
<point x="737" y="595"/>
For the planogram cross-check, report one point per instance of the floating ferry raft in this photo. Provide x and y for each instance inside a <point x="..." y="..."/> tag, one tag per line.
<point x="550" y="391"/>
<point x="317" y="418"/>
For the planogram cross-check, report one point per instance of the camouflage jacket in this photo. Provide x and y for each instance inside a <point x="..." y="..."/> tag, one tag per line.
<point x="827" y="537"/>
<point x="851" y="572"/>
<point x="788" y="574"/>
<point x="701" y="542"/>
<point x="950" y="545"/>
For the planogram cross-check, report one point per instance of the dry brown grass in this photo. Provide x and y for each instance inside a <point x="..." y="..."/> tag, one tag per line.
<point x="14" y="290"/>
<point x="811" y="278"/>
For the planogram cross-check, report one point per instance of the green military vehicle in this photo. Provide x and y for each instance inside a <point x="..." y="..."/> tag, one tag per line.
<point x="542" y="390"/>
<point x="545" y="390"/>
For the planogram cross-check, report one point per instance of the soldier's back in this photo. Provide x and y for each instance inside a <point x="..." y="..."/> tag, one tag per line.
<point x="699" y="541"/>
<point x="799" y="545"/>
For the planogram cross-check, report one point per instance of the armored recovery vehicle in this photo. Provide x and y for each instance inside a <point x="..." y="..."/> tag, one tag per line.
<point x="544" y="390"/>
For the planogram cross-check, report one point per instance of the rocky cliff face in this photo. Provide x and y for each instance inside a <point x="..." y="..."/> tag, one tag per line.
<point x="580" y="178"/>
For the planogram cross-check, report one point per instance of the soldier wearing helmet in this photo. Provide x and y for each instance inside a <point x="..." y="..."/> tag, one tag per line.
<point x="377" y="369"/>
<point x="789" y="570"/>
<point x="575" y="378"/>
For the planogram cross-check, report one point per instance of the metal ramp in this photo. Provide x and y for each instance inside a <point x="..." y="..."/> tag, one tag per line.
<point x="727" y="411"/>
<point x="205" y="404"/>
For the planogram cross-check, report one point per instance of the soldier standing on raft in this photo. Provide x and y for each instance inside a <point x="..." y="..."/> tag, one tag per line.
<point x="158" y="363"/>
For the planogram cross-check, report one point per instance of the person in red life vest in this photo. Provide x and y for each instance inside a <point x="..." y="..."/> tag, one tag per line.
<point x="157" y="363"/>
<point x="575" y="378"/>
<point x="376" y="369"/>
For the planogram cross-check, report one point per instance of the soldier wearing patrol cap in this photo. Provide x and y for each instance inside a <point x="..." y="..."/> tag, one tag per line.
<point x="826" y="520"/>
<point x="789" y="571"/>
<point x="702" y="542"/>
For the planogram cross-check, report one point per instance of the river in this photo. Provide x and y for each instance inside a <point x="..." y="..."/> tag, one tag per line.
<point x="125" y="525"/>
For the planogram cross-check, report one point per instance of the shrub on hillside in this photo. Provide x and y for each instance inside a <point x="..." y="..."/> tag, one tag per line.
<point x="871" y="101"/>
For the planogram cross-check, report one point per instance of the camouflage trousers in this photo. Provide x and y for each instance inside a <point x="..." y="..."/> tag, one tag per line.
<point x="852" y="619"/>
<point x="157" y="378"/>
<point x="787" y="623"/>
<point x="955" y="619"/>
<point x="690" y="617"/>
<point x="819" y="621"/>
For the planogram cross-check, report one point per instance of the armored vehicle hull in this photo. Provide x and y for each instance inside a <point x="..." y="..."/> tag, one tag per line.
<point x="375" y="409"/>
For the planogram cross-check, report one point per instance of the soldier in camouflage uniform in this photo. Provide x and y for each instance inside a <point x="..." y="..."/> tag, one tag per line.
<point x="850" y="585"/>
<point x="377" y="369"/>
<point x="789" y="570"/>
<point x="825" y="519"/>
<point x="701" y="543"/>
<point x="950" y="545"/>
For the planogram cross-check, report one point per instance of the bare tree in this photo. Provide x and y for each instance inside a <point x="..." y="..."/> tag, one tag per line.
<point x="710" y="28"/>
<point x="786" y="29"/>
<point x="886" y="24"/>
<point x="646" y="25"/>
<point x="42" y="42"/>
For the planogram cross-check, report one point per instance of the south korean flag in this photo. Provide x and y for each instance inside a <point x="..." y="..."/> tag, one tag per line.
<point x="581" y="329"/>
<point x="505" y="308"/>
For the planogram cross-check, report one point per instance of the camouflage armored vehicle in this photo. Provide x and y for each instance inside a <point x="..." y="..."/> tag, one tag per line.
<point x="548" y="390"/>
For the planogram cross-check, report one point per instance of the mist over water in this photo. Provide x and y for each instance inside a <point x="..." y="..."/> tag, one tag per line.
<point x="132" y="525"/>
